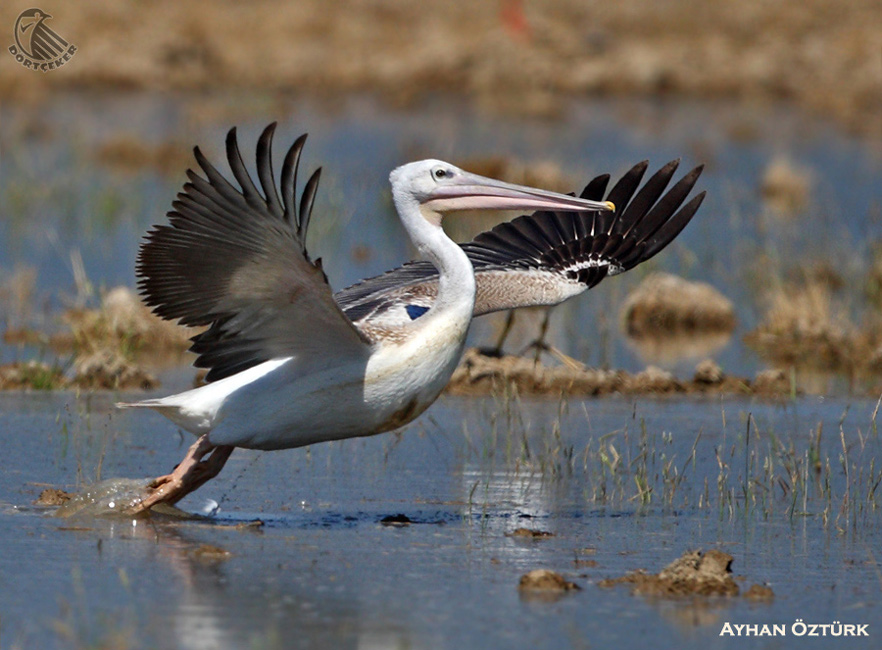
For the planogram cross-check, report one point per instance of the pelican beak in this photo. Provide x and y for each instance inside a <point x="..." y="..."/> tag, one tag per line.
<point x="467" y="191"/>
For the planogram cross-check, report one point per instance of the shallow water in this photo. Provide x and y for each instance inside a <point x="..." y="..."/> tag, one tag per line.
<point x="323" y="571"/>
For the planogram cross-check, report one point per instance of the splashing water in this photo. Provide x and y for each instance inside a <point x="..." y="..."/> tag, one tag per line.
<point x="108" y="498"/>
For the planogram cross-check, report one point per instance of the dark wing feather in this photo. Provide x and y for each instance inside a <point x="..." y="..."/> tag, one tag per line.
<point x="547" y="257"/>
<point x="235" y="259"/>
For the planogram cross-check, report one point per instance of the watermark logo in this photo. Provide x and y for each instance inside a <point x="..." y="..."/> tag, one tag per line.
<point x="37" y="47"/>
<point x="799" y="628"/>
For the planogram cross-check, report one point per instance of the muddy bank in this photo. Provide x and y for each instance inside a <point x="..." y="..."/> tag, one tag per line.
<point x="479" y="374"/>
<point x="518" y="56"/>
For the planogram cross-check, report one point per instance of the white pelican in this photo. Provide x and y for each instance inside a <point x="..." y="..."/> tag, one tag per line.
<point x="291" y="364"/>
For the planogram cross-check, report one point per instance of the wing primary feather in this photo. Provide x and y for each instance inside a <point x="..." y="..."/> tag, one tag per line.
<point x="624" y="189"/>
<point x="667" y="204"/>
<point x="672" y="227"/>
<point x="237" y="166"/>
<point x="595" y="188"/>
<point x="216" y="180"/>
<point x="620" y="195"/>
<point x="265" y="170"/>
<point x="306" y="202"/>
<point x="233" y="258"/>
<point x="649" y="193"/>
<point x="289" y="178"/>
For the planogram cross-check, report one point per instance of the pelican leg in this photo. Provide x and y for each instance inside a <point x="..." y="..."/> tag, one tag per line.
<point x="496" y="350"/>
<point x="189" y="475"/>
<point x="540" y="343"/>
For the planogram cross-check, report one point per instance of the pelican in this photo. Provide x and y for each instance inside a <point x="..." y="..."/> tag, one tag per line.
<point x="291" y="364"/>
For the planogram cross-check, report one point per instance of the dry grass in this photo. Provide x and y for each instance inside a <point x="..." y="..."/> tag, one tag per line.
<point x="510" y="55"/>
<point x="130" y="154"/>
<point x="821" y="321"/>
<point x="805" y="324"/>
<point x="109" y="346"/>
<point x="111" y="342"/>
<point x="34" y="375"/>
<point x="786" y="188"/>
<point x="17" y="296"/>
<point x="125" y="325"/>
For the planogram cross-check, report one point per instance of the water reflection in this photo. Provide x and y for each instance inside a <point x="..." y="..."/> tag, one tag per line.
<point x="217" y="596"/>
<point x="676" y="348"/>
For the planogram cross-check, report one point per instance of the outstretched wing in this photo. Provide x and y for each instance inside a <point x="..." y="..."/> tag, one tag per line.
<point x="546" y="257"/>
<point x="235" y="259"/>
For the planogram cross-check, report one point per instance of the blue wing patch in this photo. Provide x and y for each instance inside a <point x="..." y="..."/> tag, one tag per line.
<point x="415" y="311"/>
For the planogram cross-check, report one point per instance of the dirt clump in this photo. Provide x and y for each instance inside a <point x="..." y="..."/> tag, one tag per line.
<point x="693" y="574"/>
<point x="667" y="304"/>
<point x="773" y="382"/>
<point x="100" y="370"/>
<point x="399" y="520"/>
<point x="480" y="374"/>
<point x="708" y="372"/>
<point x="545" y="580"/>
<point x="529" y="533"/>
<point x="53" y="497"/>
<point x="111" y="343"/>
<point x="103" y="369"/>
<point x="759" y="593"/>
<point x="124" y="323"/>
<point x="654" y="380"/>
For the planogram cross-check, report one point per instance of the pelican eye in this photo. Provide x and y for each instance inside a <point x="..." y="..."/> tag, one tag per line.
<point x="440" y="173"/>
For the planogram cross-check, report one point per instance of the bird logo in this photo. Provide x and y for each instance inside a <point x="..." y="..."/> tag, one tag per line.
<point x="37" y="46"/>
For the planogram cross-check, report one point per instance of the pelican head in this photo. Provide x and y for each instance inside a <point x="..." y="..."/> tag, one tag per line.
<point x="438" y="187"/>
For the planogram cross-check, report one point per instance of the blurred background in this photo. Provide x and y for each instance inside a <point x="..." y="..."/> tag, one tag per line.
<point x="782" y="100"/>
